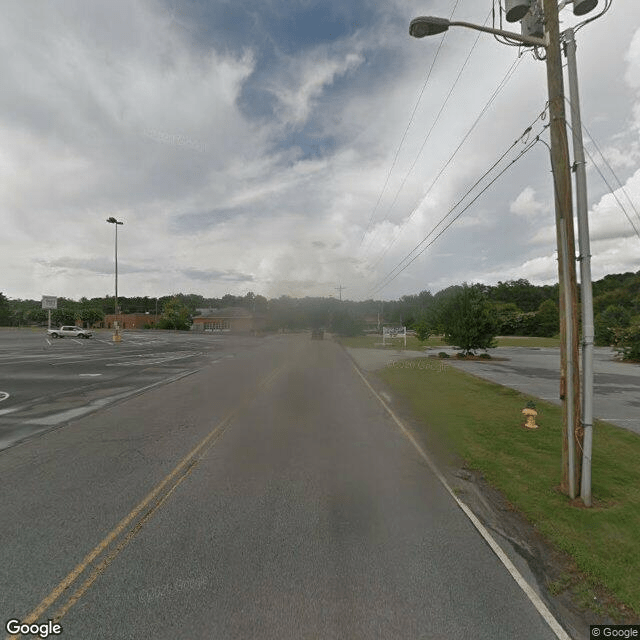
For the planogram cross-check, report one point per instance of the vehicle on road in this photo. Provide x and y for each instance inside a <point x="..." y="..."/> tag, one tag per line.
<point x="68" y="331"/>
<point x="317" y="334"/>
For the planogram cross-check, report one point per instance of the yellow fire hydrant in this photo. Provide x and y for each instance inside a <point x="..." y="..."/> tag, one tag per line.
<point x="531" y="414"/>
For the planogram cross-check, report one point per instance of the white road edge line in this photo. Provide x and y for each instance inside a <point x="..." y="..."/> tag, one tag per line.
<point x="535" y="599"/>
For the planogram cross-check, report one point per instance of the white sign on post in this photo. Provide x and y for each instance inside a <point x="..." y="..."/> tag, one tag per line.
<point x="390" y="333"/>
<point x="48" y="303"/>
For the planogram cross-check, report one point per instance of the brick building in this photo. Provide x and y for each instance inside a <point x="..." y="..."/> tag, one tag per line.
<point x="228" y="320"/>
<point x="130" y="321"/>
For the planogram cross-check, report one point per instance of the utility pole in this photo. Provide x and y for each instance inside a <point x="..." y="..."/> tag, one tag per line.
<point x="116" y="334"/>
<point x="586" y="288"/>
<point x="569" y="359"/>
<point x="540" y="28"/>
<point x="340" y="288"/>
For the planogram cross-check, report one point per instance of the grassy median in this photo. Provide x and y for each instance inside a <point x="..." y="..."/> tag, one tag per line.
<point x="482" y="422"/>
<point x="413" y="344"/>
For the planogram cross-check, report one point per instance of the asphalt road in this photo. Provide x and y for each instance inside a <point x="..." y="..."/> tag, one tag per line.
<point x="267" y="495"/>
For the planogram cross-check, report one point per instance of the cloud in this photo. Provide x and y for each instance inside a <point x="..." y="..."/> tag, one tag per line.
<point x="255" y="141"/>
<point x="212" y="274"/>
<point x="527" y="205"/>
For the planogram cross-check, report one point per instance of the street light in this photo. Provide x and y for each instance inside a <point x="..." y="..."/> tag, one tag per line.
<point x="569" y="358"/>
<point x="431" y="26"/>
<point x="116" y="335"/>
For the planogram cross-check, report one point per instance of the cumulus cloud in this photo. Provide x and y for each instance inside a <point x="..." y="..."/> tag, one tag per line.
<point x="526" y="204"/>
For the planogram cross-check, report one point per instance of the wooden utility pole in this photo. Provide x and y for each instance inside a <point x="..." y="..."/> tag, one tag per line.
<point x="569" y="358"/>
<point x="340" y="288"/>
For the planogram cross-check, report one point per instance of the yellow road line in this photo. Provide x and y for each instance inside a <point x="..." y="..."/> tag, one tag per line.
<point x="68" y="581"/>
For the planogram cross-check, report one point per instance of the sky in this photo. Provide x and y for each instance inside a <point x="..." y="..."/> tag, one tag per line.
<point x="290" y="148"/>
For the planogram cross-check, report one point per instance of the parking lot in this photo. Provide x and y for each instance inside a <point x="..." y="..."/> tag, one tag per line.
<point x="45" y="382"/>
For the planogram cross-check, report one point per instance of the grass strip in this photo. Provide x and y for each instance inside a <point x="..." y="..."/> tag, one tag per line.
<point x="413" y="344"/>
<point x="482" y="422"/>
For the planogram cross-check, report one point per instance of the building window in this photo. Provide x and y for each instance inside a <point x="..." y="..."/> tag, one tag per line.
<point x="217" y="325"/>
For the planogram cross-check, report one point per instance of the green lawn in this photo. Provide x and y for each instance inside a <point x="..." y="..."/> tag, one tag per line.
<point x="413" y="344"/>
<point x="481" y="421"/>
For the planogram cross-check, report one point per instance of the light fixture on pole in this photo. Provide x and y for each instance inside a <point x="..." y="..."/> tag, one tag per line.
<point x="116" y="334"/>
<point x="520" y="10"/>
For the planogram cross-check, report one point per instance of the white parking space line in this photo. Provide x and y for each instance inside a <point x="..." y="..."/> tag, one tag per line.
<point x="70" y="414"/>
<point x="146" y="362"/>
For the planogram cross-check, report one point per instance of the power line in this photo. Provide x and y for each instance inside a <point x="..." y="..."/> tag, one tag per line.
<point x="611" y="190"/>
<point x="399" y="268"/>
<point x="510" y="72"/>
<point x="604" y="159"/>
<point x="404" y="135"/>
<point x="433" y="125"/>
<point x="525" y="134"/>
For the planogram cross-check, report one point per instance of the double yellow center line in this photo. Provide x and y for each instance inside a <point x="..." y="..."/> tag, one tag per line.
<point x="139" y="515"/>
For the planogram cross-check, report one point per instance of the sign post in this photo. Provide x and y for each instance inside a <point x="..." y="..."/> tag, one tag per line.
<point x="48" y="303"/>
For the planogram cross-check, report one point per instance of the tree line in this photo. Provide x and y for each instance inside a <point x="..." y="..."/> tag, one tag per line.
<point x="510" y="308"/>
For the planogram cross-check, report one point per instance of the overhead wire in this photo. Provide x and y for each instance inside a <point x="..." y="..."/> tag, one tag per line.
<point x="606" y="162"/>
<point x="611" y="189"/>
<point x="389" y="280"/>
<point x="404" y="135"/>
<point x="510" y="72"/>
<point x="399" y="267"/>
<point x="433" y="125"/>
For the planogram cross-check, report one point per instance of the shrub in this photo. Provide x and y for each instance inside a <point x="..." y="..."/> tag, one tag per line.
<point x="627" y="341"/>
<point x="443" y="354"/>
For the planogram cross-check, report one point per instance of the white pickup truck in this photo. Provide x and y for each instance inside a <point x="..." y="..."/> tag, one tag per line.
<point x="72" y="332"/>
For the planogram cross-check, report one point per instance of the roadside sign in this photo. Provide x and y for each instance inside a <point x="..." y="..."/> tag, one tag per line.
<point x="49" y="302"/>
<point x="389" y="333"/>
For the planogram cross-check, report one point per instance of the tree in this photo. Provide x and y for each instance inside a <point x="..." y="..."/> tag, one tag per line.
<point x="345" y="324"/>
<point x="507" y="316"/>
<point x="64" y="315"/>
<point x="423" y="330"/>
<point x="469" y="322"/>
<point x="627" y="340"/>
<point x="613" y="318"/>
<point x="175" y="315"/>
<point x="547" y="319"/>
<point x="5" y="311"/>
<point x="90" y="315"/>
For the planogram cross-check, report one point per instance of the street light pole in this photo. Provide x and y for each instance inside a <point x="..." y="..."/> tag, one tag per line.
<point x="585" y="265"/>
<point x="569" y="357"/>
<point x="116" y="334"/>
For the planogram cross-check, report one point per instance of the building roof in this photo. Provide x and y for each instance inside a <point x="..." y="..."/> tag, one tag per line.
<point x="227" y="312"/>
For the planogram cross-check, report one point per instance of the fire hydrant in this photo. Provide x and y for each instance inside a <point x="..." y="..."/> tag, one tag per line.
<point x="531" y="413"/>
